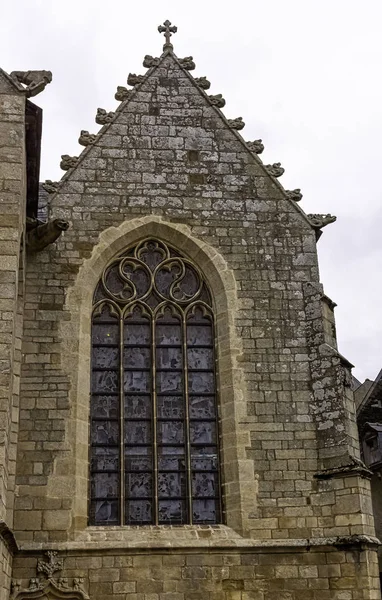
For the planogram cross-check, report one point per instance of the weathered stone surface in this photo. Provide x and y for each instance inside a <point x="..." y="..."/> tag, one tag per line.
<point x="276" y="170"/>
<point x="257" y="146"/>
<point x="150" y="61"/>
<point x="203" y="83"/>
<point x="319" y="221"/>
<point x="236" y="123"/>
<point x="86" y="138"/>
<point x="217" y="100"/>
<point x="68" y="162"/>
<point x="187" y="63"/>
<point x="135" y="79"/>
<point x="294" y="195"/>
<point x="50" y="186"/>
<point x="34" y="81"/>
<point x="103" y="117"/>
<point x="298" y="521"/>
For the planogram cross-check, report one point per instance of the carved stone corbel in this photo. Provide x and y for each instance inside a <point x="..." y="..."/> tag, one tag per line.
<point x="203" y="83"/>
<point x="256" y="146"/>
<point x="122" y="93"/>
<point x="276" y="170"/>
<point x="34" y="81"/>
<point x="150" y="61"/>
<point x="187" y="63"/>
<point x="217" y="100"/>
<point x="86" y="138"/>
<point x="134" y="79"/>
<point x="294" y="195"/>
<point x="103" y="117"/>
<point x="50" y="186"/>
<point x="43" y="234"/>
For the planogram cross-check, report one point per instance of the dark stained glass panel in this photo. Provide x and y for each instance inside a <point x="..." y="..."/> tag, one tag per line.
<point x="154" y="453"/>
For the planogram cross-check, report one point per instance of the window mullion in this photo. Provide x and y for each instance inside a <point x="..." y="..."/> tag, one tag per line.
<point x="187" y="419"/>
<point x="154" y="423"/>
<point x="121" y="424"/>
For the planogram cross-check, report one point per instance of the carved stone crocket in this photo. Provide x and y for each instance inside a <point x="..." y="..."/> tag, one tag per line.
<point x="276" y="170"/>
<point x="256" y="146"/>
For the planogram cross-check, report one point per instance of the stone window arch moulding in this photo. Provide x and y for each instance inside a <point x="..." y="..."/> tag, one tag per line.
<point x="238" y="481"/>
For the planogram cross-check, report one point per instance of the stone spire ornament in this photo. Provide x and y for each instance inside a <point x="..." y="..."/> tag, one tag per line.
<point x="167" y="29"/>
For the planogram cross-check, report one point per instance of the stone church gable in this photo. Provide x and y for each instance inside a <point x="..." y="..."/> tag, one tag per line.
<point x="168" y="143"/>
<point x="114" y="485"/>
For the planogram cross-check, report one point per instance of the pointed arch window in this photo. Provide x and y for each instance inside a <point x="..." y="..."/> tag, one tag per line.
<point x="154" y="430"/>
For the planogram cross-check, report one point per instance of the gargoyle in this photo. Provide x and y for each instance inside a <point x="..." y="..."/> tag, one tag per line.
<point x="276" y="170"/>
<point x="134" y="79"/>
<point x="50" y="186"/>
<point x="187" y="63"/>
<point x="122" y="93"/>
<point x="86" y="138"/>
<point x="34" y="81"/>
<point x="103" y="117"/>
<point x="319" y="221"/>
<point x="217" y="100"/>
<point x="236" y="123"/>
<point x="294" y="195"/>
<point x="150" y="61"/>
<point x="203" y="83"/>
<point x="68" y="162"/>
<point x="256" y="146"/>
<point x="44" y="234"/>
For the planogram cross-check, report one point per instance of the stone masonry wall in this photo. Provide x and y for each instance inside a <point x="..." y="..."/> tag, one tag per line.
<point x="12" y="222"/>
<point x="169" y="154"/>
<point x="217" y="573"/>
<point x="170" y="165"/>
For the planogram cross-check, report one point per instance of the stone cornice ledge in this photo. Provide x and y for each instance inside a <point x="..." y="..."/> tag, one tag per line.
<point x="356" y="542"/>
<point x="8" y="538"/>
<point x="350" y="469"/>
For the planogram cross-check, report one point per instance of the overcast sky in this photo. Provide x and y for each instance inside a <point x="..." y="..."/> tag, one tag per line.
<point x="305" y="76"/>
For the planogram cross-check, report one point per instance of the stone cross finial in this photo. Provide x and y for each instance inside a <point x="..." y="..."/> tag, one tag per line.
<point x="168" y="30"/>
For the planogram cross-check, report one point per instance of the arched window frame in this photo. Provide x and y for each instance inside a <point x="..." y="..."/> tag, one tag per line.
<point x="183" y="306"/>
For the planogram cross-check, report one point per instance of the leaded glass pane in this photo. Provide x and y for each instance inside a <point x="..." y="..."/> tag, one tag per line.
<point x="139" y="485"/>
<point x="139" y="512"/>
<point x="172" y="512"/>
<point x="105" y="512"/>
<point x="168" y="335"/>
<point x="105" y="459"/>
<point x="200" y="358"/>
<point x="105" y="357"/>
<point x="204" y="485"/>
<point x="169" y="381"/>
<point x="171" y="485"/>
<point x="105" y="381"/>
<point x="154" y="456"/>
<point x="201" y="382"/>
<point x="171" y="407"/>
<point x="202" y="407"/>
<point x="170" y="432"/>
<point x="138" y="432"/>
<point x="106" y="407"/>
<point x="105" y="485"/>
<point x="138" y="407"/>
<point x="169" y="358"/>
<point x="202" y="432"/>
<point x="136" y="381"/>
<point x="205" y="511"/>
<point x="105" y="433"/>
